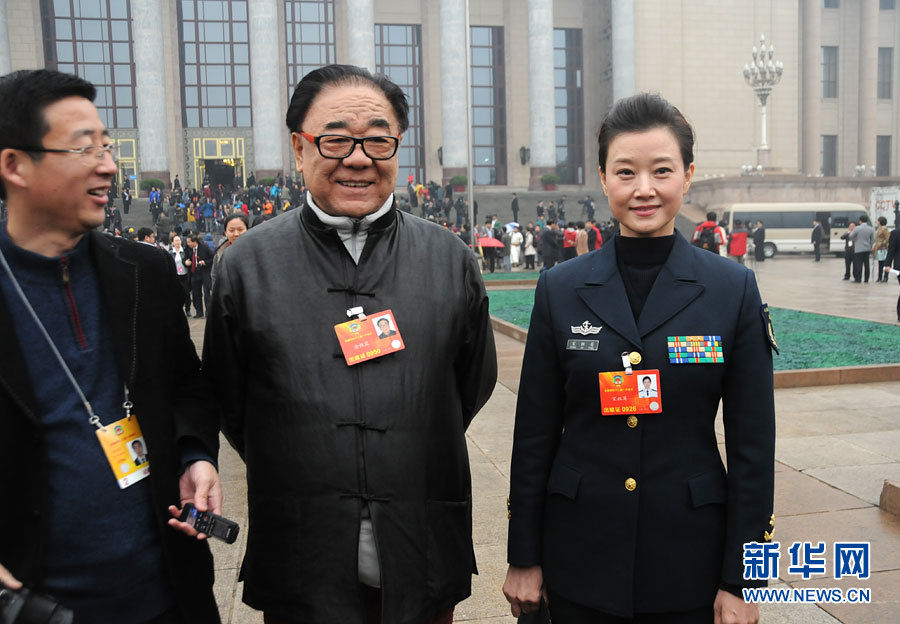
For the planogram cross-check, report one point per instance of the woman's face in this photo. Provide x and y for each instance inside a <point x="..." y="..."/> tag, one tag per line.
<point x="645" y="181"/>
<point x="233" y="229"/>
<point x="176" y="242"/>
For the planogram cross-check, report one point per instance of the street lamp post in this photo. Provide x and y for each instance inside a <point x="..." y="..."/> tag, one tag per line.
<point x="763" y="74"/>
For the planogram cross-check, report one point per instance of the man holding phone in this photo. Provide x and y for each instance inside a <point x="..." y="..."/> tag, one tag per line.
<point x="88" y="324"/>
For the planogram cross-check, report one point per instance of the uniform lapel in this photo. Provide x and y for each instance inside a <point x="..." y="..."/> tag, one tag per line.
<point x="604" y="293"/>
<point x="675" y="287"/>
<point x="119" y="285"/>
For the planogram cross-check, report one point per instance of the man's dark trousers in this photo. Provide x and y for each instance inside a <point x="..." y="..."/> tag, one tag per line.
<point x="818" y="253"/>
<point x="490" y="254"/>
<point x="200" y="287"/>
<point x="860" y="260"/>
<point x="848" y="262"/>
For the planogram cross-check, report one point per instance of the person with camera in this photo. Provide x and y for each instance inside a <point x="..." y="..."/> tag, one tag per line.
<point x="88" y="326"/>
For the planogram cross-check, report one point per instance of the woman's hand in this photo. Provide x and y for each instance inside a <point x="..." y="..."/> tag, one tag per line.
<point x="523" y="588"/>
<point x="729" y="609"/>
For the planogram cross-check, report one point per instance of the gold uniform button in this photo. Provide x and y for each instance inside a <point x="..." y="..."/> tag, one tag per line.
<point x="632" y="421"/>
<point x="630" y="484"/>
<point x="634" y="357"/>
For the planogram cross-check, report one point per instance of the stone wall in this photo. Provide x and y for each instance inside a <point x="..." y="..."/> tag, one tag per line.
<point x="715" y="194"/>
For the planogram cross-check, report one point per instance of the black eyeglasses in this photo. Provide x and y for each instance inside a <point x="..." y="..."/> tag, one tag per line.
<point x="340" y="146"/>
<point x="89" y="154"/>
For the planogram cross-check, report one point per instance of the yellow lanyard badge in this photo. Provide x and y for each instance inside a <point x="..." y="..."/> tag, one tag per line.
<point x="126" y="450"/>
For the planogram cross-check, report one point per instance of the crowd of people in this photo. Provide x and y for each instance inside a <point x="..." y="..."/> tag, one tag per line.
<point x="539" y="244"/>
<point x="206" y="209"/>
<point x="196" y="226"/>
<point x="714" y="236"/>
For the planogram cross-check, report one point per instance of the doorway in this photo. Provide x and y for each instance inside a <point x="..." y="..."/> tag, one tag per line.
<point x="219" y="172"/>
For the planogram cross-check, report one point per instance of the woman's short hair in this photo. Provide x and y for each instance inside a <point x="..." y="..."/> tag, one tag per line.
<point x="641" y="112"/>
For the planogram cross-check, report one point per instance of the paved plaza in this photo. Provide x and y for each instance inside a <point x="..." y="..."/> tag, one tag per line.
<point x="835" y="447"/>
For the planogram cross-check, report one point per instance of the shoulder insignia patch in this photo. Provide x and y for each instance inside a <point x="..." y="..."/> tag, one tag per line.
<point x="767" y="322"/>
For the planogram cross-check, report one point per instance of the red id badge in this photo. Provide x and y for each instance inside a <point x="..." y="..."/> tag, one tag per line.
<point x="638" y="393"/>
<point x="374" y="337"/>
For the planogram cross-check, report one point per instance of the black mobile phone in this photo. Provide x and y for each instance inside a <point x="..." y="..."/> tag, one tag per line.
<point x="209" y="523"/>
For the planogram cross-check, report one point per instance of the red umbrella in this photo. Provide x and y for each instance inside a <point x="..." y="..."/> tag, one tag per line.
<point x="487" y="241"/>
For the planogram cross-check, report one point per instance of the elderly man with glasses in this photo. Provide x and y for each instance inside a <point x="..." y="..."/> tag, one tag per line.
<point x="358" y="478"/>
<point x="88" y="326"/>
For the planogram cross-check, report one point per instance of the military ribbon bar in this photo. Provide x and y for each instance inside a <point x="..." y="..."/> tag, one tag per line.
<point x="695" y="350"/>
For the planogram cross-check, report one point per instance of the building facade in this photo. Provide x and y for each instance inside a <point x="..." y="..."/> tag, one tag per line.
<point x="199" y="88"/>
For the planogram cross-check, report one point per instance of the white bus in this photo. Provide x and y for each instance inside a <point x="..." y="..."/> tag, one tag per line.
<point x="789" y="225"/>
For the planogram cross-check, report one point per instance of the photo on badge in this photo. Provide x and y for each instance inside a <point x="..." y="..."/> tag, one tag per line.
<point x="138" y="451"/>
<point x="384" y="328"/>
<point x="648" y="387"/>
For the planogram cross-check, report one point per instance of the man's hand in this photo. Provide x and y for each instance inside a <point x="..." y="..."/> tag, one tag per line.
<point x="523" y="588"/>
<point x="7" y="579"/>
<point x="199" y="485"/>
<point x="729" y="609"/>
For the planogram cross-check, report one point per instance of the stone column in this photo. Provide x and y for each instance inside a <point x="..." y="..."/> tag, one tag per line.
<point x="868" y="85"/>
<point x="361" y="33"/>
<point x="149" y="90"/>
<point x="268" y="127"/>
<point x="623" y="50"/>
<point x="5" y="60"/>
<point x="811" y="86"/>
<point x="540" y="90"/>
<point x="453" y="80"/>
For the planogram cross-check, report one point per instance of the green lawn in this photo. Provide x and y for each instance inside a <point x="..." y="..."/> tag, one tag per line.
<point x="515" y="275"/>
<point x="805" y="340"/>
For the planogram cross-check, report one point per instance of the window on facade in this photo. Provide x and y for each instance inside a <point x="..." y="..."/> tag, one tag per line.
<point x="488" y="106"/>
<point x="883" y="155"/>
<point x="309" y="32"/>
<point x="885" y="72"/>
<point x="829" y="155"/>
<point x="215" y="48"/>
<point x="886" y="5"/>
<point x="832" y="4"/>
<point x="398" y="55"/>
<point x="829" y="71"/>
<point x="93" y="39"/>
<point x="569" y="98"/>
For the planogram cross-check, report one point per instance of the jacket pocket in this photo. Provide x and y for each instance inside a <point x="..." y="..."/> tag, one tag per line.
<point x="708" y="488"/>
<point x="563" y="480"/>
<point x="451" y="555"/>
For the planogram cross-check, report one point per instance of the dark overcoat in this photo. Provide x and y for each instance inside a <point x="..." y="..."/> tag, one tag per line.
<point x="321" y="439"/>
<point x="144" y="306"/>
<point x="665" y="540"/>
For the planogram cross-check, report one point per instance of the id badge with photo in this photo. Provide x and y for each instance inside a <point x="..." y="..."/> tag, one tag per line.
<point x="126" y="450"/>
<point x="637" y="393"/>
<point x="374" y="336"/>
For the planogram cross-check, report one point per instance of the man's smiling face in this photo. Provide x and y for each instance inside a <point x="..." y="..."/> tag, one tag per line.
<point x="356" y="185"/>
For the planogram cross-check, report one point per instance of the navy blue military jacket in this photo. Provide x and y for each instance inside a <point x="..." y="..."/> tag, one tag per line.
<point x="637" y="514"/>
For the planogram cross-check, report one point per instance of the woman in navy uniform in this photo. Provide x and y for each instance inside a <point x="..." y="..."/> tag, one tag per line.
<point x="630" y="515"/>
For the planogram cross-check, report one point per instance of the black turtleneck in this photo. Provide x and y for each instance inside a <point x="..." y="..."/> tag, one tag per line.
<point x="639" y="261"/>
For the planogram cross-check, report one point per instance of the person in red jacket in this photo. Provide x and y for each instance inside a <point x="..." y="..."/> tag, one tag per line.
<point x="569" y="238"/>
<point x="710" y="235"/>
<point x="595" y="239"/>
<point x="737" y="243"/>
